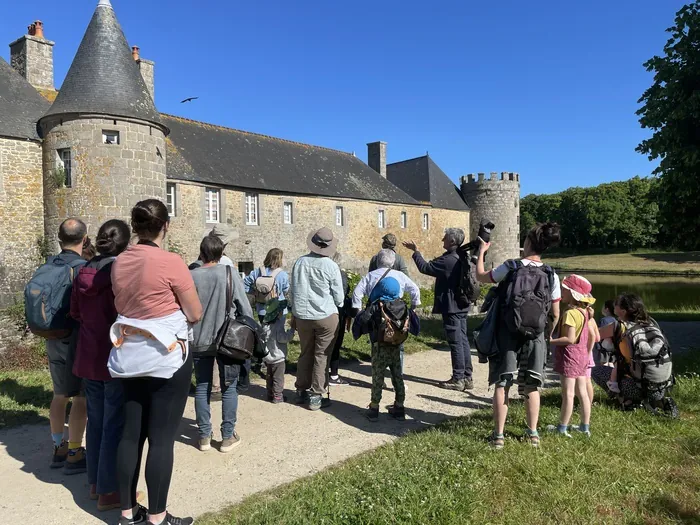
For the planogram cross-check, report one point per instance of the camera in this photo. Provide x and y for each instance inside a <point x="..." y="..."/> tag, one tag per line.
<point x="484" y="234"/>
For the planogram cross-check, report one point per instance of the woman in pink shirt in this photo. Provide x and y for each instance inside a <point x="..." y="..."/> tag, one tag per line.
<point x="155" y="298"/>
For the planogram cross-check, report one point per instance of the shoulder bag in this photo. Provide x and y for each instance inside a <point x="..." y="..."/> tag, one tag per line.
<point x="236" y="340"/>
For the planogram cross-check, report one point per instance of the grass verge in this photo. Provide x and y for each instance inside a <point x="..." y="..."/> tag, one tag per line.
<point x="636" y="468"/>
<point x="641" y="263"/>
<point x="25" y="397"/>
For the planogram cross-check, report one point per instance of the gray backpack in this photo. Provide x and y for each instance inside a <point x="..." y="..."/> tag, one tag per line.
<point x="651" y="356"/>
<point x="527" y="299"/>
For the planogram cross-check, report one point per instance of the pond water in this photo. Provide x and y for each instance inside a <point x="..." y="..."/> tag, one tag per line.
<point x="658" y="293"/>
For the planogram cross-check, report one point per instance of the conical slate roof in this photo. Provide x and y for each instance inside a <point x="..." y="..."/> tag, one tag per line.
<point x="20" y="105"/>
<point x="104" y="78"/>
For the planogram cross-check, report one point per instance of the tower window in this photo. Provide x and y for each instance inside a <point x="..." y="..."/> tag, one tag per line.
<point x="110" y="137"/>
<point x="64" y="172"/>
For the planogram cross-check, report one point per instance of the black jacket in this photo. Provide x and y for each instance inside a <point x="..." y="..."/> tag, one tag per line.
<point x="447" y="272"/>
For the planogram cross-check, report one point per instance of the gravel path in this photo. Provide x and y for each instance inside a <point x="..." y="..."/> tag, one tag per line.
<point x="280" y="444"/>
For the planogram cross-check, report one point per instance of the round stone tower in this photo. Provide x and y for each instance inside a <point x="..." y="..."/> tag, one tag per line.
<point x="497" y="199"/>
<point x="104" y="143"/>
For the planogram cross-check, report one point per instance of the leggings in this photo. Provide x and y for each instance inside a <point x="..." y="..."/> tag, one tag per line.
<point x="153" y="408"/>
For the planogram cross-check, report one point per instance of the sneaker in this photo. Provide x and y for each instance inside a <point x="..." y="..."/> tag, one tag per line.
<point x="325" y="402"/>
<point x="338" y="381"/>
<point x="554" y="429"/>
<point x="397" y="412"/>
<point x="76" y="462"/>
<point x="613" y="387"/>
<point x="278" y="399"/>
<point x="453" y="384"/>
<point x="205" y="443"/>
<point x="228" y="444"/>
<point x="59" y="455"/>
<point x="372" y="414"/>
<point x="302" y="397"/>
<point x="172" y="520"/>
<point x="139" y="519"/>
<point x="468" y="383"/>
<point x="315" y="402"/>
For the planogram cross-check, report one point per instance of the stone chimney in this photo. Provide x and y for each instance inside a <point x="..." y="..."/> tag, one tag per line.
<point x="147" y="68"/>
<point x="32" y="57"/>
<point x="376" y="157"/>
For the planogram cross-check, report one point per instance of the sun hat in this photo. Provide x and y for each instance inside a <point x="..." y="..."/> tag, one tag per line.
<point x="389" y="241"/>
<point x="580" y="288"/>
<point x="322" y="242"/>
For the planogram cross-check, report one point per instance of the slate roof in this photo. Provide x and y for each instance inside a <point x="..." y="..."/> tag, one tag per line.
<point x="104" y="78"/>
<point x="222" y="156"/>
<point x="20" y="105"/>
<point x="423" y="180"/>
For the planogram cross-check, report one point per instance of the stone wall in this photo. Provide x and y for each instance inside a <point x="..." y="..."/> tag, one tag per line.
<point x="32" y="57"/>
<point x="498" y="199"/>
<point x="359" y="237"/>
<point x="21" y="215"/>
<point x="107" y="179"/>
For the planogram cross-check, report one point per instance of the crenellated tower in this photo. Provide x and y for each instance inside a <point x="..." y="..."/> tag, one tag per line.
<point x="498" y="199"/>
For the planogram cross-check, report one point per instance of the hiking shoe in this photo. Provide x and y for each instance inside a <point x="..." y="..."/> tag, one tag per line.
<point x="338" y="381"/>
<point x="454" y="384"/>
<point x="302" y="397"/>
<point x="468" y="384"/>
<point x="172" y="520"/>
<point x="138" y="519"/>
<point x="372" y="414"/>
<point x="496" y="441"/>
<point x="59" y="455"/>
<point x="76" y="462"/>
<point x="325" y="402"/>
<point x="397" y="412"/>
<point x="315" y="402"/>
<point x="228" y="444"/>
<point x="204" y="444"/>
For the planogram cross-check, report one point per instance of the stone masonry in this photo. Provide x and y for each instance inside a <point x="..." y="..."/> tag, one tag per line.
<point x="21" y="215"/>
<point x="498" y="199"/>
<point x="32" y="57"/>
<point x="359" y="237"/>
<point x="107" y="179"/>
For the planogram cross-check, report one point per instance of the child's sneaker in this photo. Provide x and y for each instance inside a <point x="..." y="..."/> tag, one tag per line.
<point x="613" y="387"/>
<point x="278" y="399"/>
<point x="337" y="381"/>
<point x="205" y="444"/>
<point x="228" y="444"/>
<point x="373" y="414"/>
<point x="562" y="430"/>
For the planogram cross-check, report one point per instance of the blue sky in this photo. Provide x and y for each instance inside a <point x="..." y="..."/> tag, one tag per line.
<point x="545" y="88"/>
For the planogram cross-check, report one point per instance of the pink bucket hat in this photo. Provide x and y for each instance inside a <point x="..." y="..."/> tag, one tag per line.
<point x="580" y="288"/>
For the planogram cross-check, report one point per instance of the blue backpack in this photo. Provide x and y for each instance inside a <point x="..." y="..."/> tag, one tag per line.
<point x="47" y="298"/>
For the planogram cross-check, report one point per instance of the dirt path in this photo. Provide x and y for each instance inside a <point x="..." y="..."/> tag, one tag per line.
<point x="280" y="443"/>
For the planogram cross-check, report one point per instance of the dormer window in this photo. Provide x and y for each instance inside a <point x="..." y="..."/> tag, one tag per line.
<point x="110" y="137"/>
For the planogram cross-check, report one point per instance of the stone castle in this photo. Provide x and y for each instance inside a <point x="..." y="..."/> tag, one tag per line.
<point x="98" y="145"/>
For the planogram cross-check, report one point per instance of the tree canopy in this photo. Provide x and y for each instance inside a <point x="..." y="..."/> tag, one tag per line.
<point x="671" y="108"/>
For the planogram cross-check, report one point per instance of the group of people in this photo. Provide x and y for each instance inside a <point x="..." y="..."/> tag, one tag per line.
<point x="139" y="322"/>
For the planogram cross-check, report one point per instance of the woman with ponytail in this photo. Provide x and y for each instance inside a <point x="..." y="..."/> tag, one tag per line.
<point x="157" y="303"/>
<point x="92" y="304"/>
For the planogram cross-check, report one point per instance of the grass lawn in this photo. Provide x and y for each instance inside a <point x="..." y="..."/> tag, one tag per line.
<point x="25" y="397"/>
<point x="636" y="468"/>
<point x="663" y="263"/>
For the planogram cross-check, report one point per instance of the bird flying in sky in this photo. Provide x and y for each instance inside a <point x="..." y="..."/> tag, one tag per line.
<point x="188" y="100"/>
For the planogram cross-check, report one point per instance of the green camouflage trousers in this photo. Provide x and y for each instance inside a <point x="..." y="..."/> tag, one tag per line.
<point x="383" y="357"/>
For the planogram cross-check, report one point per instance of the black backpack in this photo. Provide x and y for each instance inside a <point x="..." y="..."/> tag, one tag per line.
<point x="527" y="298"/>
<point x="469" y="288"/>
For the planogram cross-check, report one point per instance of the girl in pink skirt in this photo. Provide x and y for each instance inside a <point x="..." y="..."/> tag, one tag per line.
<point x="572" y="353"/>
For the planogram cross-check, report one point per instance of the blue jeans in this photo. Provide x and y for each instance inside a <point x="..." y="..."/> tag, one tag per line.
<point x="105" y="412"/>
<point x="456" y="334"/>
<point x="204" y="373"/>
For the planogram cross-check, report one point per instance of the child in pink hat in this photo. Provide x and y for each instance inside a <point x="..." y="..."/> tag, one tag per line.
<point x="572" y="352"/>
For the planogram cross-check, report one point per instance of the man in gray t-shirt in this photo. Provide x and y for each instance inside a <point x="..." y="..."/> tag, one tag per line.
<point x="389" y="243"/>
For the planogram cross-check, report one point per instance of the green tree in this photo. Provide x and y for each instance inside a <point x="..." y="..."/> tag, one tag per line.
<point x="671" y="108"/>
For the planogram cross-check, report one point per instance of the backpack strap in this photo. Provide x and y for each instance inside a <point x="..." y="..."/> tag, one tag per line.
<point x="275" y="273"/>
<point x="263" y="272"/>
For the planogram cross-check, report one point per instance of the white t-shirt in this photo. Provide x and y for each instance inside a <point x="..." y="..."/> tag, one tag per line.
<point x="501" y="272"/>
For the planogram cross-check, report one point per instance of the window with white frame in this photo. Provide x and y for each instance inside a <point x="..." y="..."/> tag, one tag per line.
<point x="339" y="216"/>
<point x="213" y="205"/>
<point x="288" y="213"/>
<point x="110" y="137"/>
<point x="170" y="198"/>
<point x="252" y="217"/>
<point x="381" y="221"/>
<point x="65" y="171"/>
<point x="426" y="221"/>
<point x="404" y="219"/>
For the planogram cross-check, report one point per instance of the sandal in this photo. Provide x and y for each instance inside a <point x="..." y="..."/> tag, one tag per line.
<point x="496" y="441"/>
<point x="533" y="437"/>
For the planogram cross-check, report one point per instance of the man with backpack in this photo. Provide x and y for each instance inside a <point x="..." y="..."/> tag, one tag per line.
<point x="47" y="306"/>
<point x="387" y="323"/>
<point x="447" y="270"/>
